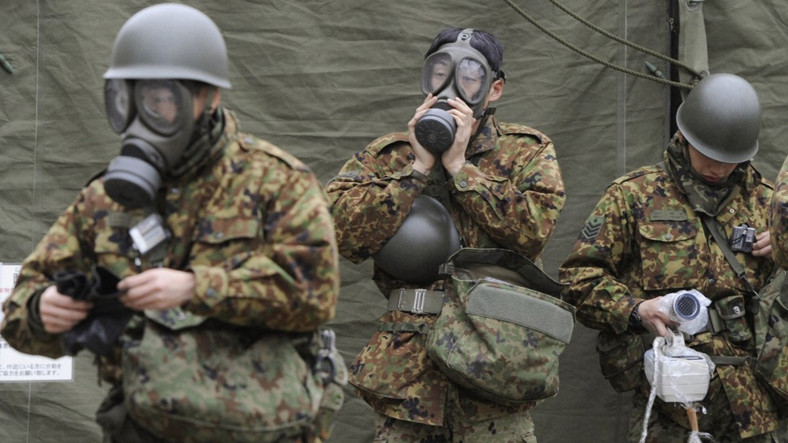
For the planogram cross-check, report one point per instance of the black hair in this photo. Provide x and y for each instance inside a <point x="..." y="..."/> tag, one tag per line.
<point x="482" y="41"/>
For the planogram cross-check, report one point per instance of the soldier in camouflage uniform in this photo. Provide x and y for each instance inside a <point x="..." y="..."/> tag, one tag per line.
<point x="252" y="244"/>
<point x="503" y="187"/>
<point x="779" y="217"/>
<point x="646" y="239"/>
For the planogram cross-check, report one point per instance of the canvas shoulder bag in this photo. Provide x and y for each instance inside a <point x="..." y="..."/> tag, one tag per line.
<point x="503" y="327"/>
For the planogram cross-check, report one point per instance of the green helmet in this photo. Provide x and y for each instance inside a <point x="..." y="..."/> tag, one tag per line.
<point x="170" y="41"/>
<point x="721" y="118"/>
<point x="422" y="243"/>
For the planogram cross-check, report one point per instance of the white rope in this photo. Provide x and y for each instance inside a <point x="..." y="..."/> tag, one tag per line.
<point x="657" y="347"/>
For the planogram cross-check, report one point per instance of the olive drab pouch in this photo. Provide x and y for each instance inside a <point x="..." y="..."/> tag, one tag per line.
<point x="731" y="312"/>
<point x="621" y="359"/>
<point x="186" y="380"/>
<point x="771" y="336"/>
<point x="503" y="328"/>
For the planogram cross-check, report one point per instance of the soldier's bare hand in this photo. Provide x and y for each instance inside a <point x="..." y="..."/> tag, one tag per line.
<point x="654" y="320"/>
<point x="454" y="158"/>
<point x="159" y="288"/>
<point x="425" y="160"/>
<point x="60" y="313"/>
<point x="763" y="245"/>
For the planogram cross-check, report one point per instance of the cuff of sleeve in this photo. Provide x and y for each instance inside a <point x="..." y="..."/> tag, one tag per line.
<point x="209" y="286"/>
<point x="467" y="178"/>
<point x="34" y="318"/>
<point x="409" y="171"/>
<point x="634" y="322"/>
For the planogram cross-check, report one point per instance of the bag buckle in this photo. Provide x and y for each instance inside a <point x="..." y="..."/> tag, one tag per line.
<point x="419" y="297"/>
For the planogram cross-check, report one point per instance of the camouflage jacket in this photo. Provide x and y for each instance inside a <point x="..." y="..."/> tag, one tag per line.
<point x="253" y="226"/>
<point x="779" y="218"/>
<point x="643" y="240"/>
<point x="509" y="194"/>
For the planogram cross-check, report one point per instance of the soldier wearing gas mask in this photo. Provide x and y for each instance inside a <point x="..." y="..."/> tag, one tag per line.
<point x="697" y="221"/>
<point x="457" y="178"/>
<point x="213" y="234"/>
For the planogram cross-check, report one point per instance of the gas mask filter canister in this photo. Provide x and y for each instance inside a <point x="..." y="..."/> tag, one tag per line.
<point x="155" y="120"/>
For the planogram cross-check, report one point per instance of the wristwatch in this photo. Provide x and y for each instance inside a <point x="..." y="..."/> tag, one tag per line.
<point x="635" y="322"/>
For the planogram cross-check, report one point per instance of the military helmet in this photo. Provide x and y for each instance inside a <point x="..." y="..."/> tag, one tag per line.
<point x="422" y="243"/>
<point x="170" y="41"/>
<point x="721" y="118"/>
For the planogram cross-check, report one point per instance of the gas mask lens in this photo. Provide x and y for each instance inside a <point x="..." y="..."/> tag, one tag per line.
<point x="117" y="100"/>
<point x="470" y="77"/>
<point x="437" y="73"/>
<point x="164" y="105"/>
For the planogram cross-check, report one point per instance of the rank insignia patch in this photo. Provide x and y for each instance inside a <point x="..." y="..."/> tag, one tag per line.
<point x="592" y="227"/>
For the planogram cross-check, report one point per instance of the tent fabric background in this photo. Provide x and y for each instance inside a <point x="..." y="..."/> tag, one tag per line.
<point x="322" y="79"/>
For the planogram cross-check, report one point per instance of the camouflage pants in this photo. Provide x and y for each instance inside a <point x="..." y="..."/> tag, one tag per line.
<point x="718" y="422"/>
<point x="458" y="429"/>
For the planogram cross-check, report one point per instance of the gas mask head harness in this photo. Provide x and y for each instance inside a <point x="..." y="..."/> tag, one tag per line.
<point x="455" y="70"/>
<point x="155" y="120"/>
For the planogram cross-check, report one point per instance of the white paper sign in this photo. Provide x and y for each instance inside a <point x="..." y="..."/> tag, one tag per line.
<point x="16" y="366"/>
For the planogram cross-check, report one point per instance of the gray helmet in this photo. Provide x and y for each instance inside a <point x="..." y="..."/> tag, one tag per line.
<point x="425" y="240"/>
<point x="170" y="41"/>
<point x="721" y="118"/>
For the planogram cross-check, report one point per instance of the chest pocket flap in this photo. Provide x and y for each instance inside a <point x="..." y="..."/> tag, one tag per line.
<point x="668" y="231"/>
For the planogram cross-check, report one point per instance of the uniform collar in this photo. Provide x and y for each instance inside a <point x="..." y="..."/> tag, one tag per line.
<point x="485" y="139"/>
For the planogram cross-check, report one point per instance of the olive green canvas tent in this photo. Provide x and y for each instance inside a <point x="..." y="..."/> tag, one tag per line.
<point x="321" y="79"/>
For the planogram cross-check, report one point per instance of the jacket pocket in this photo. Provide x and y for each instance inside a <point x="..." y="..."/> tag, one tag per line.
<point x="226" y="239"/>
<point x="667" y="250"/>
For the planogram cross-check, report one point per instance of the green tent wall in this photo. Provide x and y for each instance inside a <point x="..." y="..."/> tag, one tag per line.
<point x="323" y="78"/>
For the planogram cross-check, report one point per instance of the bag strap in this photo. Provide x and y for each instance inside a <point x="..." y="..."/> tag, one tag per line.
<point x="713" y="227"/>
<point x="502" y="264"/>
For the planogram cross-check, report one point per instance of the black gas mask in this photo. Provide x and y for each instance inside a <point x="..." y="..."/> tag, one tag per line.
<point x="156" y="122"/>
<point x="456" y="70"/>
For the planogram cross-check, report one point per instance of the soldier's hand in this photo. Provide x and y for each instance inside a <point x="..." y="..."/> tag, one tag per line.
<point x="454" y="158"/>
<point x="654" y="319"/>
<point x="159" y="288"/>
<point x="763" y="245"/>
<point x="425" y="161"/>
<point x="60" y="313"/>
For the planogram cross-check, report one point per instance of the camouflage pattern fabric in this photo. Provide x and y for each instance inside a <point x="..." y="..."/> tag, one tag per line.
<point x="643" y="240"/>
<point x="514" y="428"/>
<point x="510" y="193"/>
<point x="252" y="225"/>
<point x="779" y="217"/>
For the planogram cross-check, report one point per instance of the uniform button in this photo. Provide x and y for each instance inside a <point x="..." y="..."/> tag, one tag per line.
<point x="712" y="281"/>
<point x="668" y="237"/>
<point x="463" y="184"/>
<point x="175" y="191"/>
<point x="731" y="210"/>
<point x="210" y="293"/>
<point x="220" y="235"/>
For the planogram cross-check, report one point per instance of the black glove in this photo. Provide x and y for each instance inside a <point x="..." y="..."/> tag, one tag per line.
<point x="99" y="332"/>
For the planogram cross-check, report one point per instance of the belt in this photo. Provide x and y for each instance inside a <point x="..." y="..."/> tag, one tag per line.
<point x="416" y="301"/>
<point x="730" y="360"/>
